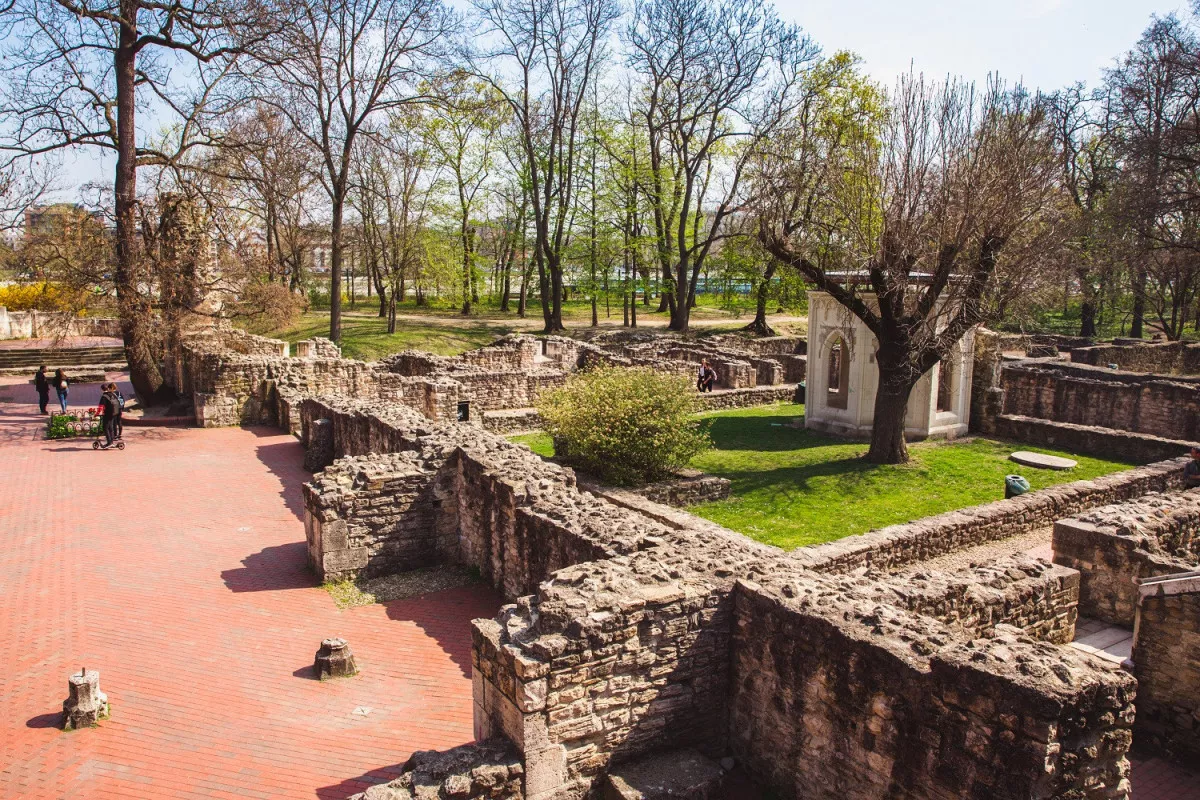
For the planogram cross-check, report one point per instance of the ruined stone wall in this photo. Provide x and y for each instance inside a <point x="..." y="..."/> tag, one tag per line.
<point x="1168" y="358"/>
<point x="1139" y="448"/>
<point x="624" y="639"/>
<point x="743" y="398"/>
<point x="1151" y="405"/>
<point x="377" y="515"/>
<point x="898" y="545"/>
<point x="1115" y="546"/>
<point x="317" y="347"/>
<point x="839" y="699"/>
<point x="490" y="770"/>
<point x="1166" y="663"/>
<point x="1037" y="598"/>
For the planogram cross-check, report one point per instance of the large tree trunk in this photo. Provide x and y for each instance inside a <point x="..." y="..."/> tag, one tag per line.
<point x="133" y="309"/>
<point x="759" y="326"/>
<point x="887" y="431"/>
<point x="1087" y="319"/>
<point x="1139" y="304"/>
<point x="335" y="268"/>
<point x="891" y="407"/>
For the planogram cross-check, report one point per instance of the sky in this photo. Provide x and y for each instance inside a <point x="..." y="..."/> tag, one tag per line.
<point x="1045" y="44"/>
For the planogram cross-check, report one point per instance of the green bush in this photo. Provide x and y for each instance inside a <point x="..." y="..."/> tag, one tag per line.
<point x="625" y="426"/>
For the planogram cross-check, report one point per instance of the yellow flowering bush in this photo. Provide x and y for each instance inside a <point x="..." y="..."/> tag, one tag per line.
<point x="36" y="297"/>
<point x="625" y="426"/>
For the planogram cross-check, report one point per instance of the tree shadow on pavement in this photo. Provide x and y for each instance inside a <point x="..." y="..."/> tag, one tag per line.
<point x="272" y="569"/>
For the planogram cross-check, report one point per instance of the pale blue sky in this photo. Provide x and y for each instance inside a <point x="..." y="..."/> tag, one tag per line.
<point x="1044" y="43"/>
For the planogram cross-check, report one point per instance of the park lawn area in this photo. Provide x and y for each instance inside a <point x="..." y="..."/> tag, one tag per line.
<point x="793" y="487"/>
<point x="365" y="336"/>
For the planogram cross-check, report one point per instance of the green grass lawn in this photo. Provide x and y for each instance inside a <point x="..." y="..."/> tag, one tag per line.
<point x="365" y="337"/>
<point x="442" y="331"/>
<point x="793" y="487"/>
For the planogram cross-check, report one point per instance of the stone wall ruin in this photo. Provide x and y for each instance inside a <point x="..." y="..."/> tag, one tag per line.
<point x="634" y="631"/>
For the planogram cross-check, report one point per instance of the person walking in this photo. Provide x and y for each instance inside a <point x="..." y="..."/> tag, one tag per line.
<point x="42" y="383"/>
<point x="706" y="377"/>
<point x="120" y="420"/>
<point x="61" y="385"/>
<point x="110" y="410"/>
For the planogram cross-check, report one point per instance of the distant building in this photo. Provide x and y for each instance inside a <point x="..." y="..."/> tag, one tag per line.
<point x="57" y="219"/>
<point x="843" y="378"/>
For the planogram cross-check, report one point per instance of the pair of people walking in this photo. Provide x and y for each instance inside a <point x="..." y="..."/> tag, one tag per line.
<point x="112" y="405"/>
<point x="43" y="384"/>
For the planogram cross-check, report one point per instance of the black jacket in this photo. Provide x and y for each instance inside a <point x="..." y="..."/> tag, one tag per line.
<point x="41" y="382"/>
<point x="109" y="405"/>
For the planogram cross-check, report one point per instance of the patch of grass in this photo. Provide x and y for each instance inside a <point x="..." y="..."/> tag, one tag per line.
<point x="793" y="487"/>
<point x="540" y="443"/>
<point x="347" y="594"/>
<point x="366" y="338"/>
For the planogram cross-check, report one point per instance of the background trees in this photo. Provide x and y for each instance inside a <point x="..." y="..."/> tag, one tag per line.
<point x="331" y="71"/>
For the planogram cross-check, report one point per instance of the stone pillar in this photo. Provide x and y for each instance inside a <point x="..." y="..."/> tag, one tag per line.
<point x="334" y="660"/>
<point x="85" y="704"/>
<point x="319" y="454"/>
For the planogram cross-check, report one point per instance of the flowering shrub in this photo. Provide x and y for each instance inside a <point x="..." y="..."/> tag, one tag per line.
<point x="625" y="426"/>
<point x="37" y="297"/>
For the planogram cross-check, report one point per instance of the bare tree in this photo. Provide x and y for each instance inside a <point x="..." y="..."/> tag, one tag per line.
<point x="949" y="205"/>
<point x="335" y="69"/>
<point x="1085" y="147"/>
<point x="80" y="69"/>
<point x="546" y="53"/>
<point x="395" y="180"/>
<point x="720" y="76"/>
<point x="267" y="169"/>
<point x="1156" y="98"/>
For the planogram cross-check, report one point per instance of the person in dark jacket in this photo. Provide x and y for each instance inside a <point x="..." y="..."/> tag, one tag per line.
<point x="706" y="377"/>
<point x="60" y="387"/>
<point x="42" y="384"/>
<point x="110" y="410"/>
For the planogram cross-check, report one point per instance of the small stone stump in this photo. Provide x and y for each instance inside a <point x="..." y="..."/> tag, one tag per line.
<point x="334" y="660"/>
<point x="85" y="704"/>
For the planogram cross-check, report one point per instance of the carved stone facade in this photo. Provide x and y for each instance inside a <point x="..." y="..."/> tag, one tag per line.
<point x="840" y="393"/>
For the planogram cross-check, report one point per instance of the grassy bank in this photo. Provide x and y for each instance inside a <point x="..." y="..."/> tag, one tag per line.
<point x="792" y="487"/>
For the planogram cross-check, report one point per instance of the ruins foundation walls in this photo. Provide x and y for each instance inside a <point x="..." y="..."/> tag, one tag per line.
<point x="1166" y="663"/>
<point x="835" y="698"/>
<point x="1167" y="358"/>
<point x="1114" y="547"/>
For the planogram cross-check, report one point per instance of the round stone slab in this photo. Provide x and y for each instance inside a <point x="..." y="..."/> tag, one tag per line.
<point x="1042" y="460"/>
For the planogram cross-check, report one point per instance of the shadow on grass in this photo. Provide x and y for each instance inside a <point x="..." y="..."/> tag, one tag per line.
<point x="852" y="474"/>
<point x="766" y="433"/>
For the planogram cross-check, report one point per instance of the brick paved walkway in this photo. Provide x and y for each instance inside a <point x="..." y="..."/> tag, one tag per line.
<point x="176" y="568"/>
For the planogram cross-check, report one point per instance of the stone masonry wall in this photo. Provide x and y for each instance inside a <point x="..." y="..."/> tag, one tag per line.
<point x="1166" y="663"/>
<point x="1168" y="358"/>
<point x="1151" y="405"/>
<point x="1139" y="448"/>
<point x="838" y="698"/>
<point x="635" y="632"/>
<point x="1114" y="546"/>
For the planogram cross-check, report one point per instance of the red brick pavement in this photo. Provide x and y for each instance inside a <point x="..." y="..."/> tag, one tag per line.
<point x="177" y="569"/>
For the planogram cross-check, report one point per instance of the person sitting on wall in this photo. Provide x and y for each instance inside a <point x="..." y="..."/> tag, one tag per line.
<point x="1191" y="473"/>
<point x="706" y="377"/>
